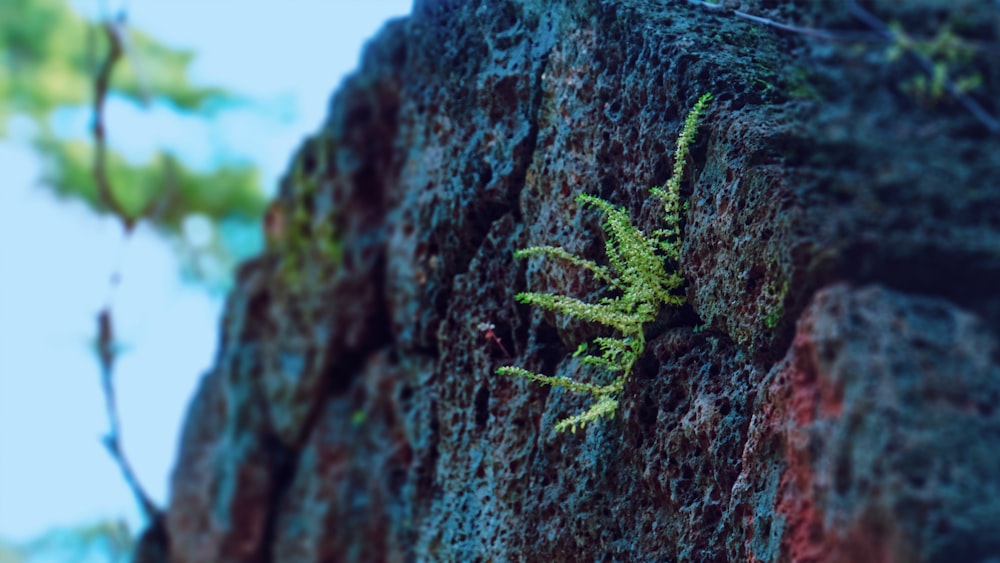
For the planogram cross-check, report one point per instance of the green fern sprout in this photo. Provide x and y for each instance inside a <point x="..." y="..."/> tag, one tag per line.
<point x="639" y="282"/>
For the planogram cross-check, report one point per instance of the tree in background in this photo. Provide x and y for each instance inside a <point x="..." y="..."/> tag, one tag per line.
<point x="52" y="60"/>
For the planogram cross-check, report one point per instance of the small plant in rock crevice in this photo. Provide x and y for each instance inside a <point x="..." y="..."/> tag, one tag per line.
<point x="639" y="281"/>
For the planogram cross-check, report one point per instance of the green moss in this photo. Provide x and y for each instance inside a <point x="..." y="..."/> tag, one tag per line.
<point x="358" y="417"/>
<point x="799" y="84"/>
<point x="773" y="303"/>
<point x="639" y="281"/>
<point x="308" y="241"/>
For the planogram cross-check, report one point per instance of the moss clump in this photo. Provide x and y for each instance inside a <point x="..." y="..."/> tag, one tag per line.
<point x="293" y="230"/>
<point x="639" y="281"/>
<point x="950" y="58"/>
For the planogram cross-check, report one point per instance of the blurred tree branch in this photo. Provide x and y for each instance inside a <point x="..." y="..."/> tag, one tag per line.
<point x="48" y="66"/>
<point x="107" y="348"/>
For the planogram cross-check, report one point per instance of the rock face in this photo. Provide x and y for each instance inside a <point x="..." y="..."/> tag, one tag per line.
<point x="829" y="393"/>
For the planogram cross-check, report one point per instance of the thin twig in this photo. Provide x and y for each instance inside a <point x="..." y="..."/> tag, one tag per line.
<point x="830" y="34"/>
<point x="824" y="34"/>
<point x="102" y="84"/>
<point x="107" y="352"/>
<point x="716" y="6"/>
<point x="106" y="345"/>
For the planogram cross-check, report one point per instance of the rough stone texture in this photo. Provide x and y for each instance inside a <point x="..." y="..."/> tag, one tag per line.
<point x="884" y="412"/>
<point x="827" y="395"/>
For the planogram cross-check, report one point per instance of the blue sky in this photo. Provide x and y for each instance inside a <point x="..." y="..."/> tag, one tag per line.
<point x="56" y="256"/>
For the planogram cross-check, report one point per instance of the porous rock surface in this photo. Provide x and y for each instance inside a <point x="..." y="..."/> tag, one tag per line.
<point x="829" y="393"/>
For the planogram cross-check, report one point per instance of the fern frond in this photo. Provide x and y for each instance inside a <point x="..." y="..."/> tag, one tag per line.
<point x="684" y="141"/>
<point x="605" y="406"/>
<point x="638" y="271"/>
<point x="609" y="365"/>
<point x="553" y="380"/>
<point x="593" y="312"/>
<point x="616" y="345"/>
<point x="616" y="225"/>
<point x="600" y="272"/>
